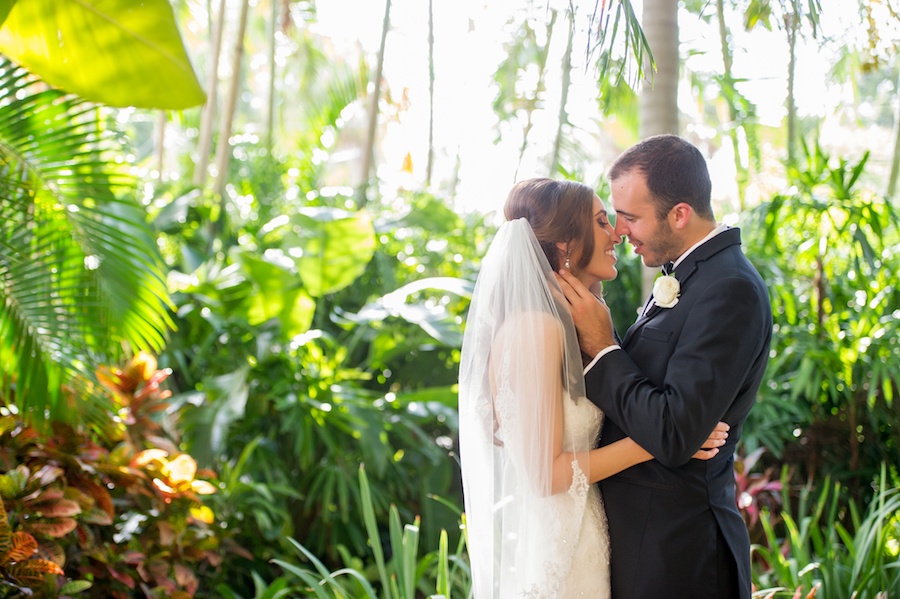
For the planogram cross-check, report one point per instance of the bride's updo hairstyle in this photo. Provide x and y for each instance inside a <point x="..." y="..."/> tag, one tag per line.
<point x="558" y="211"/>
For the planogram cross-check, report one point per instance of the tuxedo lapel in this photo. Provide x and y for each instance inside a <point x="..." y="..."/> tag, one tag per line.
<point x="685" y="270"/>
<point x="641" y="321"/>
<point x="689" y="265"/>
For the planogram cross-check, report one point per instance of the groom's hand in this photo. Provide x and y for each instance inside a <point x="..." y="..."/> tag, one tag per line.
<point x="716" y="439"/>
<point x="591" y="315"/>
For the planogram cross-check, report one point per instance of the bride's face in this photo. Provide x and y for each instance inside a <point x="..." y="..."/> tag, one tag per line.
<point x="602" y="266"/>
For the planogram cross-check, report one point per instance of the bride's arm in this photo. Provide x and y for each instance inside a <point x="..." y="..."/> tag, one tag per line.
<point x="607" y="461"/>
<point x="529" y="351"/>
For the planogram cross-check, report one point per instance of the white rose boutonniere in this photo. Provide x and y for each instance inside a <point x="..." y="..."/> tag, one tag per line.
<point x="666" y="290"/>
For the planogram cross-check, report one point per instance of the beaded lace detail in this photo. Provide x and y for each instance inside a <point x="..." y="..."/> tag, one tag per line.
<point x="579" y="488"/>
<point x="585" y="571"/>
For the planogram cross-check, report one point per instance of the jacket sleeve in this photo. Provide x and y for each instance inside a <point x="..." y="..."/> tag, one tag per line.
<point x="724" y="333"/>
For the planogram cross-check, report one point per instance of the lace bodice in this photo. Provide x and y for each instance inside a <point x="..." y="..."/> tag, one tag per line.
<point x="579" y="512"/>
<point x="582" y="418"/>
<point x="589" y="575"/>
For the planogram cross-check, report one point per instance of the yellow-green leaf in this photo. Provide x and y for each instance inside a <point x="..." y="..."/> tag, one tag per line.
<point x="115" y="52"/>
<point x="336" y="247"/>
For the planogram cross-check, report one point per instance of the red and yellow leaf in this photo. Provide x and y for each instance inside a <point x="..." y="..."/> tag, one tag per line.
<point x="52" y="528"/>
<point x="99" y="494"/>
<point x="56" y="508"/>
<point x="23" y="547"/>
<point x="96" y="516"/>
<point x="31" y="572"/>
<point x="52" y="551"/>
<point x="5" y="534"/>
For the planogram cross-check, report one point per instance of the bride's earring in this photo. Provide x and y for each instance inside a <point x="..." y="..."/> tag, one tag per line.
<point x="568" y="263"/>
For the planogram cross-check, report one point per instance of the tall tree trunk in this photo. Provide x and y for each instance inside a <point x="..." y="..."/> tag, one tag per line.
<point x="208" y="115"/>
<point x="160" y="142"/>
<point x="895" y="157"/>
<point x="792" y="22"/>
<point x="369" y="148"/>
<point x="223" y="148"/>
<point x="429" y="164"/>
<point x="270" y="105"/>
<point x="659" y="97"/>
<point x="563" y="117"/>
<point x="658" y="104"/>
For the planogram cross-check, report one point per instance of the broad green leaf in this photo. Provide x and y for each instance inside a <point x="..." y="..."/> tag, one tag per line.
<point x="115" y="52"/>
<point x="277" y="294"/>
<point x="336" y="247"/>
<point x="5" y="7"/>
<point x="446" y="396"/>
<point x="433" y="318"/>
<point x="225" y="401"/>
<point x="75" y="586"/>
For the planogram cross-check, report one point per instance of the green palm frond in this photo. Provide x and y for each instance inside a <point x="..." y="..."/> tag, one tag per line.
<point x="80" y="276"/>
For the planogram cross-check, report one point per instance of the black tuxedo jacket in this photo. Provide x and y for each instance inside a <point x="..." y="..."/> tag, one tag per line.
<point x="682" y="370"/>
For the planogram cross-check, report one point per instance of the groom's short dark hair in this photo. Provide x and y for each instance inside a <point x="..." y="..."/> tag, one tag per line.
<point x="675" y="171"/>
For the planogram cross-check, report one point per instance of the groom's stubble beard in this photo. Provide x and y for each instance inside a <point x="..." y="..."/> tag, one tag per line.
<point x="664" y="247"/>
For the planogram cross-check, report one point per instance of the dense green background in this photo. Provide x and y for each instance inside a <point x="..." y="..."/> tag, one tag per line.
<point x="304" y="328"/>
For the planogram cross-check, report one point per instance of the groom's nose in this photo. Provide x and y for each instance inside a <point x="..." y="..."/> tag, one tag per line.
<point x="616" y="238"/>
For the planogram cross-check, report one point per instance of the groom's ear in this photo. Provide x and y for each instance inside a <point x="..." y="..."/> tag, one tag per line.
<point x="680" y="215"/>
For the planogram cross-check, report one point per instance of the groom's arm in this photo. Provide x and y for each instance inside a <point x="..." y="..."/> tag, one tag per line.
<point x="721" y="339"/>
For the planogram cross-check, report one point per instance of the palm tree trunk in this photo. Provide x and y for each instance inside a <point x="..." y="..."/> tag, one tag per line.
<point x="563" y="117"/>
<point x="659" y="98"/>
<point x="223" y="148"/>
<point x="658" y="104"/>
<point x="208" y="115"/>
<point x="429" y="165"/>
<point x="369" y="148"/>
<point x="895" y="158"/>
<point x="791" y="27"/>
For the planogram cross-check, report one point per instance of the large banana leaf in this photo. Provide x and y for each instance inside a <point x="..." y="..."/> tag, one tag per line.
<point x="80" y="276"/>
<point x="116" y="52"/>
<point x="335" y="245"/>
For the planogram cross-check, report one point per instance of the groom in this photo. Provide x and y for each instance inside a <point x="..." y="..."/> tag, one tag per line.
<point x="695" y="356"/>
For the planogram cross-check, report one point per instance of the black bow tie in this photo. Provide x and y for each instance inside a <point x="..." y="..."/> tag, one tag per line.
<point x="668" y="267"/>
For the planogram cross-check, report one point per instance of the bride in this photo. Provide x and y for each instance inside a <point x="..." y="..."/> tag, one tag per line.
<point x="535" y="523"/>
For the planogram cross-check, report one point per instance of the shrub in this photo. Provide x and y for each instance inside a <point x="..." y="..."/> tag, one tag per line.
<point x="118" y="511"/>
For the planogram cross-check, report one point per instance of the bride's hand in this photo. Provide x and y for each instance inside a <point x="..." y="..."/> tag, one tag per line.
<point x="712" y="444"/>
<point x="589" y="313"/>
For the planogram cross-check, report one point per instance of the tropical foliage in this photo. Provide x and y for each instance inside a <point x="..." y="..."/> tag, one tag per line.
<point x="80" y="272"/>
<point x="405" y="576"/>
<point x="303" y="330"/>
<point x="134" y="50"/>
<point x="828" y="252"/>
<point x="831" y="548"/>
<point x="107" y="518"/>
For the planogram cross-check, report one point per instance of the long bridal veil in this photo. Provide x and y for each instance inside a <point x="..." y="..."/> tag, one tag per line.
<point x="523" y="463"/>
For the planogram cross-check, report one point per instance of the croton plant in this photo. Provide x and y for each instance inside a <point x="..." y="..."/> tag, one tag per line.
<point x="114" y="513"/>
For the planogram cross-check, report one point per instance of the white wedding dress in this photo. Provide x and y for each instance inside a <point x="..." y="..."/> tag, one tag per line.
<point x="578" y="512"/>
<point x="535" y="527"/>
<point x="589" y="576"/>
